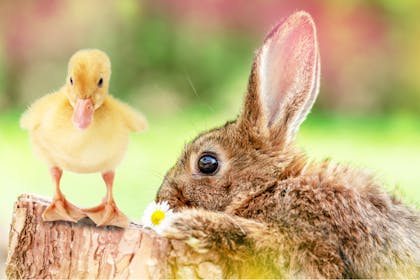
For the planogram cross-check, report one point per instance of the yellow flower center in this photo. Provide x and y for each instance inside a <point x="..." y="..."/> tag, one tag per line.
<point x="157" y="217"/>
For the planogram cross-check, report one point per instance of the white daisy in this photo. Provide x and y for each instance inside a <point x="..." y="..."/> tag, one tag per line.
<point x="155" y="214"/>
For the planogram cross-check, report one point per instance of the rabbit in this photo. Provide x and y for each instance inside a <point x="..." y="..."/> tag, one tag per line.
<point x="246" y="192"/>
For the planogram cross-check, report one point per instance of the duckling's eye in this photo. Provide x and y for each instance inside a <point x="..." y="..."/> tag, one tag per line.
<point x="208" y="164"/>
<point x="71" y="81"/>
<point x="100" y="82"/>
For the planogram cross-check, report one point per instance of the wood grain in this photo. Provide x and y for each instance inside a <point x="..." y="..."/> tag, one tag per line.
<point x="66" y="250"/>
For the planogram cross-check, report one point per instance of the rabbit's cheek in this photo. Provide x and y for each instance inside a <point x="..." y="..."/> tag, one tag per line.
<point x="209" y="196"/>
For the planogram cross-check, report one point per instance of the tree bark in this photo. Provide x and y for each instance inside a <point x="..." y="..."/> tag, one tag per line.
<point x="40" y="249"/>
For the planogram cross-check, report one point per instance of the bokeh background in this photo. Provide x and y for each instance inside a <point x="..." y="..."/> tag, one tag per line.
<point x="185" y="65"/>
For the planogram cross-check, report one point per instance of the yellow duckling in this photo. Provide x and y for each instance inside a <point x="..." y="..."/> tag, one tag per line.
<point x="80" y="128"/>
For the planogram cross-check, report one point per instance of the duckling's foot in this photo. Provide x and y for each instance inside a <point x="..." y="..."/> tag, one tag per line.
<point x="107" y="214"/>
<point x="62" y="210"/>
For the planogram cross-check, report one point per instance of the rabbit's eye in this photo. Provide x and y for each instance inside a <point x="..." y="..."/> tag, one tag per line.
<point x="208" y="164"/>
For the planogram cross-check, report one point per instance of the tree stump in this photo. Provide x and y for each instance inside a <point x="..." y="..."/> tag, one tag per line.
<point x="40" y="249"/>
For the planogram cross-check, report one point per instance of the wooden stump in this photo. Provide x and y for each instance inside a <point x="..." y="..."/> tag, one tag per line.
<point x="40" y="249"/>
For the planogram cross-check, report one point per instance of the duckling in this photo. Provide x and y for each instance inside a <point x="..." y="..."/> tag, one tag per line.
<point x="81" y="128"/>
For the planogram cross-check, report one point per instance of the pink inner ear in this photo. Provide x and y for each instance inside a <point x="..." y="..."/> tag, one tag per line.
<point x="288" y="61"/>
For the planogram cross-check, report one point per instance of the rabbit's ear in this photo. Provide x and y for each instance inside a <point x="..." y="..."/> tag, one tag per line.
<point x="284" y="80"/>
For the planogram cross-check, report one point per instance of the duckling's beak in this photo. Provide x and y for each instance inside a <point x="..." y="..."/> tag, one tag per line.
<point x="83" y="113"/>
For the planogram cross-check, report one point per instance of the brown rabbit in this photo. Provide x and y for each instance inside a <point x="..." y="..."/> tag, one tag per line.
<point x="246" y="192"/>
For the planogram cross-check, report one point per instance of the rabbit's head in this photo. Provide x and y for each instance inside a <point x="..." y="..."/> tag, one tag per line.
<point x="237" y="158"/>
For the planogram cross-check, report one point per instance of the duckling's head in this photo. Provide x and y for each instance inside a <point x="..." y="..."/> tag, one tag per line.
<point x="87" y="84"/>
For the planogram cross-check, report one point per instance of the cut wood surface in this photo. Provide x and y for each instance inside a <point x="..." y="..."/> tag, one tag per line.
<point x="40" y="249"/>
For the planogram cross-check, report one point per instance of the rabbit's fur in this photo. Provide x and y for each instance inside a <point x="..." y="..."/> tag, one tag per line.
<point x="269" y="211"/>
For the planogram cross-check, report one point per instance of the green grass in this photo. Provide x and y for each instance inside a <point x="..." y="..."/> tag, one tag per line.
<point x="387" y="146"/>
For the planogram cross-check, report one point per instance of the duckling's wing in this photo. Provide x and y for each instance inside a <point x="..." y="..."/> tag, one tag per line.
<point x="134" y="120"/>
<point x="33" y="116"/>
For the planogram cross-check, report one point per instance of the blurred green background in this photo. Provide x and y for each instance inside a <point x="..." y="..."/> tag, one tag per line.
<point x="185" y="65"/>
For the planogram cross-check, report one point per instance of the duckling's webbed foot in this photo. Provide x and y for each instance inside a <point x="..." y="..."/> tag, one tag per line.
<point x="60" y="209"/>
<point x="107" y="213"/>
